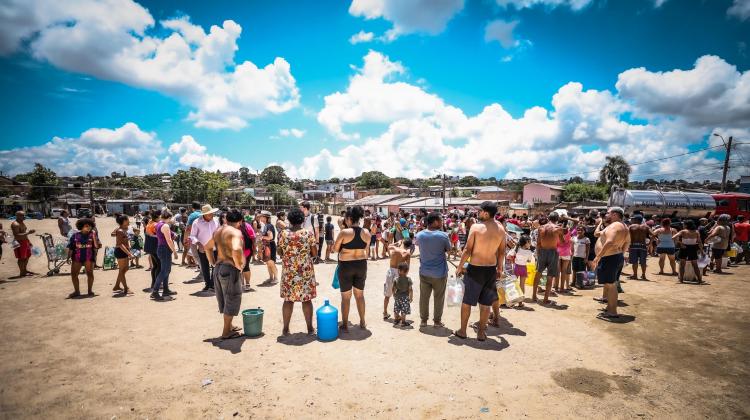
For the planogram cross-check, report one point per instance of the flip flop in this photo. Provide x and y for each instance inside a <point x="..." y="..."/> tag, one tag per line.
<point x="482" y="339"/>
<point x="234" y="334"/>
<point x="236" y="329"/>
<point x="607" y="317"/>
<point x="462" y="337"/>
<point x="386" y="316"/>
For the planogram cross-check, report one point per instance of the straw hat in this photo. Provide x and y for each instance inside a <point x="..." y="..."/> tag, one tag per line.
<point x="207" y="209"/>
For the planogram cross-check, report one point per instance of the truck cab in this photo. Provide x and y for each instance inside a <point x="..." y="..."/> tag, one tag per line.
<point x="733" y="204"/>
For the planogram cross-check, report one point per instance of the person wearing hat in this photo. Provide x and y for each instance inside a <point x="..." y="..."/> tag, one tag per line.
<point x="201" y="233"/>
<point x="609" y="260"/>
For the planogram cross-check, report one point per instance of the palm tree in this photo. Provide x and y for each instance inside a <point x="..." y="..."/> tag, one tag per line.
<point x="615" y="171"/>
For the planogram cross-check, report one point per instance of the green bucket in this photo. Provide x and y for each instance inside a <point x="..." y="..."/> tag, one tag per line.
<point x="252" y="321"/>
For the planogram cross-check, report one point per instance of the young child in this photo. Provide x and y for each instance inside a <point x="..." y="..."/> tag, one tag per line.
<point x="581" y="246"/>
<point x="403" y="294"/>
<point x="522" y="256"/>
<point x="136" y="244"/>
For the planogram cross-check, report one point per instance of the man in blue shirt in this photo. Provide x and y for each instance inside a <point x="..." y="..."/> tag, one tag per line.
<point x="433" y="268"/>
<point x="188" y="227"/>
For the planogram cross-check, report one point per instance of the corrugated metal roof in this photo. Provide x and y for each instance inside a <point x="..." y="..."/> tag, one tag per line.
<point x="373" y="200"/>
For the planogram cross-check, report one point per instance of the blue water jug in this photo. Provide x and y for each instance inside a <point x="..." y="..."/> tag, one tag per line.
<point x="328" y="322"/>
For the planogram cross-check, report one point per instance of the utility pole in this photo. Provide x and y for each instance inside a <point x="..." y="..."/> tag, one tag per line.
<point x="443" y="193"/>
<point x="728" y="145"/>
<point x="91" y="196"/>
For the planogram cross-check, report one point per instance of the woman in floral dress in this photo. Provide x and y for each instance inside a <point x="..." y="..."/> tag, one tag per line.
<point x="298" y="249"/>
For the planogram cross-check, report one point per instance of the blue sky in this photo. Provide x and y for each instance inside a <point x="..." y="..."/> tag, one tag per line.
<point x="51" y="91"/>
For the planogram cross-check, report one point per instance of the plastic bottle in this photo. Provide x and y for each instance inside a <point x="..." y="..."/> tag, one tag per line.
<point x="328" y="322"/>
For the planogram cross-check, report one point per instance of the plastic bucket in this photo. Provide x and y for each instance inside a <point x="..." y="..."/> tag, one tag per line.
<point x="252" y="321"/>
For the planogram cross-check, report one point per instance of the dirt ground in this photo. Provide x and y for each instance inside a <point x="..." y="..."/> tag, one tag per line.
<point x="683" y="355"/>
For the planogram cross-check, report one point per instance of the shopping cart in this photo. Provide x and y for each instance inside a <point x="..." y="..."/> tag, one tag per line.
<point x="57" y="252"/>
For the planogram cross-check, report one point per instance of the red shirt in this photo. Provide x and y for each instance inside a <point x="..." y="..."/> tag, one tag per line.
<point x="742" y="231"/>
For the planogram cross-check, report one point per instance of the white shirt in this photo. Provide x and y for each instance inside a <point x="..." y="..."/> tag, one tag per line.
<point x="579" y="247"/>
<point x="310" y="222"/>
<point x="202" y="230"/>
<point x="523" y="256"/>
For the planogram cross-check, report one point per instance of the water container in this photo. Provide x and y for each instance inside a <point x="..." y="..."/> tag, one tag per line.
<point x="36" y="251"/>
<point x="328" y="322"/>
<point x="252" y="321"/>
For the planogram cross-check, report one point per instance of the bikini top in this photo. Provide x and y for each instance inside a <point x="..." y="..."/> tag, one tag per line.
<point x="357" y="242"/>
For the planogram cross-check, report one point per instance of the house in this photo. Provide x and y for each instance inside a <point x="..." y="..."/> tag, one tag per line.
<point x="319" y="195"/>
<point x="541" y="193"/>
<point x="394" y="206"/>
<point x="9" y="186"/>
<point x="130" y="206"/>
<point x="458" y="203"/>
<point x="745" y="184"/>
<point x="374" y="203"/>
<point x="518" y="209"/>
<point x="492" y="192"/>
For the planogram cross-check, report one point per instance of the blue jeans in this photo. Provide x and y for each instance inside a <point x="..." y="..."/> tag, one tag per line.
<point x="165" y="260"/>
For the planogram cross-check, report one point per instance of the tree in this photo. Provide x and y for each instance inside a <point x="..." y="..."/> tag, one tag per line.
<point x="469" y="181"/>
<point x="43" y="181"/>
<point x="334" y="180"/>
<point x="575" y="180"/>
<point x="280" y="194"/>
<point x="245" y="176"/>
<point x="297" y="186"/>
<point x="615" y="171"/>
<point x="581" y="192"/>
<point x="373" y="180"/>
<point x="274" y="175"/>
<point x="198" y="185"/>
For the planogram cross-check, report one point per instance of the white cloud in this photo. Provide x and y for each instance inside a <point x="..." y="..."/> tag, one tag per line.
<point x="293" y="132"/>
<point x="575" y="135"/>
<point x="411" y="16"/>
<point x="373" y="97"/>
<point x="658" y="3"/>
<point x="361" y="36"/>
<point x="188" y="153"/>
<point x="502" y="32"/>
<point x="740" y="9"/>
<point x="183" y="61"/>
<point x="100" y="151"/>
<point x="521" y="4"/>
<point x="714" y="92"/>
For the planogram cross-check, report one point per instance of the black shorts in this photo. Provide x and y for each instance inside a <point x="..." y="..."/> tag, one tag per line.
<point x="579" y="264"/>
<point x="718" y="253"/>
<point x="352" y="274"/>
<point x="689" y="252"/>
<point x="479" y="285"/>
<point x="609" y="268"/>
<point x="120" y="254"/>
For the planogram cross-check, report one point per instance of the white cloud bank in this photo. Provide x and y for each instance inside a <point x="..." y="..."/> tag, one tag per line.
<point x="425" y="136"/>
<point x="100" y="151"/>
<point x="112" y="40"/>
<point x="408" y="16"/>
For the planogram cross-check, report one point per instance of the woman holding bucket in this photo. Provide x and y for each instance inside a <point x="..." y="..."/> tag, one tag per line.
<point x="298" y="247"/>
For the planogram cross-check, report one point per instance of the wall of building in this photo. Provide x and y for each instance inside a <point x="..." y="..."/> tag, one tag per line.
<point x="538" y="193"/>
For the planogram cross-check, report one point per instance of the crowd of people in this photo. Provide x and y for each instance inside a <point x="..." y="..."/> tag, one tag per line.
<point x="561" y="248"/>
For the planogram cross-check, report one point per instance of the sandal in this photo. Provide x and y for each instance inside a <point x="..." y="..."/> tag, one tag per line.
<point x="462" y="337"/>
<point x="386" y="316"/>
<point x="604" y="316"/>
<point x="74" y="295"/>
<point x="233" y="334"/>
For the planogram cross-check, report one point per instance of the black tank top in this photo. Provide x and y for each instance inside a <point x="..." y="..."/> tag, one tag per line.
<point x="357" y="242"/>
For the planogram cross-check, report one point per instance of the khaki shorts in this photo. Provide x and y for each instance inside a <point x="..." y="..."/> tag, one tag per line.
<point x="390" y="276"/>
<point x="228" y="288"/>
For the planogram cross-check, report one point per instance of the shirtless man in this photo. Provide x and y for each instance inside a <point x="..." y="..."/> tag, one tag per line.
<point x="546" y="254"/>
<point x="486" y="248"/>
<point x="399" y="252"/>
<point x="609" y="260"/>
<point x="227" y="277"/>
<point x="638" y="250"/>
<point x="23" y="252"/>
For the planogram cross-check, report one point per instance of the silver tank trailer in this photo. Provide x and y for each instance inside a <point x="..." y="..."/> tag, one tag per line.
<point x="664" y="204"/>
